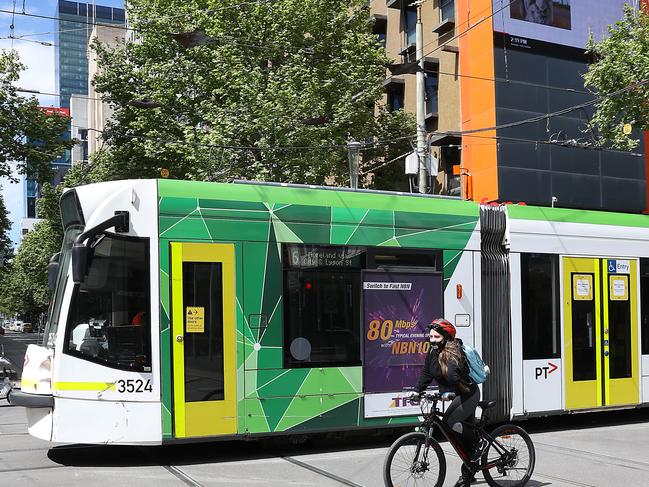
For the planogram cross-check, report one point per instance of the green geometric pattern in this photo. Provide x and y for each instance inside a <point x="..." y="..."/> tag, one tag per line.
<point x="258" y="219"/>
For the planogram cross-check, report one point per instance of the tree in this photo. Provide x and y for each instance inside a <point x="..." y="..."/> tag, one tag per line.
<point x="25" y="291"/>
<point x="23" y="282"/>
<point x="267" y="90"/>
<point x="28" y="136"/>
<point x="621" y="61"/>
<point x="6" y="246"/>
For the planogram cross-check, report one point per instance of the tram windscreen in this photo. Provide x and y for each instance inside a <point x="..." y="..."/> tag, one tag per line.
<point x="49" y="335"/>
<point x="109" y="313"/>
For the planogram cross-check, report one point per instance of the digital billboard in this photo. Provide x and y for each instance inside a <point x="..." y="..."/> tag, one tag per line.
<point x="564" y="22"/>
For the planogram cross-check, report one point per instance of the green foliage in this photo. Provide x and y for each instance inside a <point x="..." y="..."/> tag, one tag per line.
<point x="621" y="60"/>
<point x="6" y="246"/>
<point x="262" y="70"/>
<point x="24" y="290"/>
<point x="28" y="136"/>
<point x="23" y="282"/>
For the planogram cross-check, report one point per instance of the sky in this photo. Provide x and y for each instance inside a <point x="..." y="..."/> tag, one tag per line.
<point x="39" y="75"/>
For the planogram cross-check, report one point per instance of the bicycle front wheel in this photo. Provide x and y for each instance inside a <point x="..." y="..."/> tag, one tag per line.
<point x="410" y="463"/>
<point x="512" y="454"/>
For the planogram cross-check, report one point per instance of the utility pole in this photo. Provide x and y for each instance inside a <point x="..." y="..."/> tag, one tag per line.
<point x="421" y="103"/>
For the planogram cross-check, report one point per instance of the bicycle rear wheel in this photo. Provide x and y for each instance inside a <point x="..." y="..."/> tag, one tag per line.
<point x="408" y="463"/>
<point x="512" y="452"/>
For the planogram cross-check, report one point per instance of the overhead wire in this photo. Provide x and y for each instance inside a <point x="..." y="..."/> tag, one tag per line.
<point x="513" y="124"/>
<point x="464" y="32"/>
<point x="122" y="27"/>
<point x="114" y="26"/>
<point x="468" y="22"/>
<point x="460" y="133"/>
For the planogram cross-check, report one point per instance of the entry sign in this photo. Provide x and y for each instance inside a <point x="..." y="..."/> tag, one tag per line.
<point x="618" y="266"/>
<point x="195" y="319"/>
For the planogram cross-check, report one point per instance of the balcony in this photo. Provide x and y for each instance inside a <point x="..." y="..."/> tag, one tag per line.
<point x="398" y="4"/>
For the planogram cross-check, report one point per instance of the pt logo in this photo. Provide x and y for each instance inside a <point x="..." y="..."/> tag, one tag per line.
<point x="545" y="371"/>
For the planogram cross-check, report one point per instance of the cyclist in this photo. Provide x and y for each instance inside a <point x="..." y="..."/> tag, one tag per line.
<point x="446" y="363"/>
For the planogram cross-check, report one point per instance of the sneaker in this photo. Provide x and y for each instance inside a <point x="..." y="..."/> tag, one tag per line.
<point x="477" y="451"/>
<point x="468" y="474"/>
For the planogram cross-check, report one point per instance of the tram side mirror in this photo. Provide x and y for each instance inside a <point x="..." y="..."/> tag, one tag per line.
<point x="79" y="262"/>
<point x="53" y="271"/>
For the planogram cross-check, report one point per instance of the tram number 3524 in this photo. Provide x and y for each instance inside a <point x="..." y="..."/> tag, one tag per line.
<point x="134" y="385"/>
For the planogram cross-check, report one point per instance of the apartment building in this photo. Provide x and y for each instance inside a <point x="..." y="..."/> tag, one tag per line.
<point x="395" y="24"/>
<point x="496" y="74"/>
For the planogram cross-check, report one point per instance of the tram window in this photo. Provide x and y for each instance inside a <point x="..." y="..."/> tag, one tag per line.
<point x="109" y="313"/>
<point x="204" y="374"/>
<point x="322" y="305"/>
<point x="644" y="304"/>
<point x="540" y="306"/>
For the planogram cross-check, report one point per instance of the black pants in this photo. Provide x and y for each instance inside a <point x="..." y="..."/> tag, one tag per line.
<point x="462" y="408"/>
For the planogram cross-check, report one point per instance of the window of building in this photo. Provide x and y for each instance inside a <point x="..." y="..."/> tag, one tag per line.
<point x="432" y="87"/>
<point x="83" y="136"/>
<point x="380" y="29"/>
<point x="411" y="27"/>
<point x="395" y="97"/>
<point x="109" y="313"/>
<point x="447" y="10"/>
<point x="322" y="294"/>
<point x="644" y="305"/>
<point x="31" y="207"/>
<point x="540" y="306"/>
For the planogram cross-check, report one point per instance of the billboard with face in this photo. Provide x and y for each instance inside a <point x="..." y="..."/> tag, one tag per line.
<point x="564" y="22"/>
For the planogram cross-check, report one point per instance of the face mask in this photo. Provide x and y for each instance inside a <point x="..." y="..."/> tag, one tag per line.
<point x="437" y="345"/>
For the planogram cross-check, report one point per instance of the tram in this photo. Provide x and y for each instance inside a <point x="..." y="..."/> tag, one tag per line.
<point x="186" y="311"/>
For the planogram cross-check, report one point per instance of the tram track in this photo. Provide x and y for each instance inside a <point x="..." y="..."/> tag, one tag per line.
<point x="321" y="472"/>
<point x="536" y="475"/>
<point x="620" y="462"/>
<point x="182" y="476"/>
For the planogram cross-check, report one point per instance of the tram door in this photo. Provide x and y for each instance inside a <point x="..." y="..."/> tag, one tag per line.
<point x="600" y="332"/>
<point x="203" y="331"/>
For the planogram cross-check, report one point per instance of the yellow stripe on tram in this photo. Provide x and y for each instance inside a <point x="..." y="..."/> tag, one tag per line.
<point x="28" y="384"/>
<point x="84" y="386"/>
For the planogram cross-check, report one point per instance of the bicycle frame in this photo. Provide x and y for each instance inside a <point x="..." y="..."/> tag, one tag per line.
<point x="436" y="418"/>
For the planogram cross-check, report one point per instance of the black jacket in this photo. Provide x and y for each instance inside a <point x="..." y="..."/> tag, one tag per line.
<point x="456" y="381"/>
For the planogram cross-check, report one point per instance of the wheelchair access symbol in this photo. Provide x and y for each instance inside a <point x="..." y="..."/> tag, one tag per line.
<point x="612" y="265"/>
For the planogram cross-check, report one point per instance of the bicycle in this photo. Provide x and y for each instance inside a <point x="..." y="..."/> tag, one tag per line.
<point x="506" y="454"/>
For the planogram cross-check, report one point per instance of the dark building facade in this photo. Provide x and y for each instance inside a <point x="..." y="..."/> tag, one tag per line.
<point x="541" y="78"/>
<point x="518" y="66"/>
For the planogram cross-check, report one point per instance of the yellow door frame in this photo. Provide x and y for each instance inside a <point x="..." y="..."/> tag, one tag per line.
<point x="626" y="390"/>
<point x="586" y="394"/>
<point x="581" y="394"/>
<point x="205" y="418"/>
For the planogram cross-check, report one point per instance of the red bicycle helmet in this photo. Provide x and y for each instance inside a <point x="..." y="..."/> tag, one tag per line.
<point x="443" y="327"/>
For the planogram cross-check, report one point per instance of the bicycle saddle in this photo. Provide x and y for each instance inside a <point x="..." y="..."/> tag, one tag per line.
<point x="486" y="404"/>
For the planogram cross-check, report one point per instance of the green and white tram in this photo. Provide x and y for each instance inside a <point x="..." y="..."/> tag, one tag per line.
<point x="190" y="310"/>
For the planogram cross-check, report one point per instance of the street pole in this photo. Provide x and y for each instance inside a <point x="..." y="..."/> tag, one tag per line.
<point x="421" y="104"/>
<point x="353" y="152"/>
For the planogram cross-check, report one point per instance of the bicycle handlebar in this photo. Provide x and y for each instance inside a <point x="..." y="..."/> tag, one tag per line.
<point x="431" y="397"/>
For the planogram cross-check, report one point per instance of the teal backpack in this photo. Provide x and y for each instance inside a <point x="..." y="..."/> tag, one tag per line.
<point x="478" y="371"/>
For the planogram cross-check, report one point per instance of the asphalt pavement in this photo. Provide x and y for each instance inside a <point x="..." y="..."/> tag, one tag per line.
<point x="13" y="346"/>
<point x="583" y="450"/>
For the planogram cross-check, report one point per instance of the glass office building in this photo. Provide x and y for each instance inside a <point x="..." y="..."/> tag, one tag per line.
<point x="75" y="25"/>
<point x="75" y="22"/>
